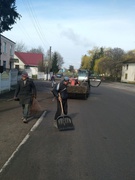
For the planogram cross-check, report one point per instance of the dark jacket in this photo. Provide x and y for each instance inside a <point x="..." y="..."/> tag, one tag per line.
<point x="60" y="88"/>
<point x="25" y="92"/>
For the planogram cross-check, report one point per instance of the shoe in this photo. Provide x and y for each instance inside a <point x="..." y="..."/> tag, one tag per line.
<point x="25" y="120"/>
<point x="55" y="124"/>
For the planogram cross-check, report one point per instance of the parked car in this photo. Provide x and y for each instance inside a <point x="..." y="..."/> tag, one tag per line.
<point x="59" y="75"/>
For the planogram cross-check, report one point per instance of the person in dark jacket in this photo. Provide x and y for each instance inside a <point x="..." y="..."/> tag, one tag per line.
<point x="25" y="92"/>
<point x="53" y="80"/>
<point x="60" y="92"/>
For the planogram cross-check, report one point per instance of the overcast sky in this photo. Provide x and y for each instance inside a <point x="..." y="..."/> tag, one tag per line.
<point x="72" y="27"/>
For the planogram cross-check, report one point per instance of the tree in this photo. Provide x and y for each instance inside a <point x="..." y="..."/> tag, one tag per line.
<point x="37" y="50"/>
<point x="130" y="55"/>
<point x="57" y="61"/>
<point x="95" y="54"/>
<point x="55" y="66"/>
<point x="116" y="56"/>
<point x="8" y="15"/>
<point x="20" y="47"/>
<point x="88" y="61"/>
<point x="71" y="68"/>
<point x="102" y="66"/>
<point x="60" y="59"/>
<point x="85" y="63"/>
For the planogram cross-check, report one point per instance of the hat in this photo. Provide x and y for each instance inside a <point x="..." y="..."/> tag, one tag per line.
<point x="66" y="78"/>
<point x="25" y="74"/>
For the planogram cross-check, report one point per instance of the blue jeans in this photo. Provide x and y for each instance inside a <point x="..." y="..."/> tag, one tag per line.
<point x="26" y="110"/>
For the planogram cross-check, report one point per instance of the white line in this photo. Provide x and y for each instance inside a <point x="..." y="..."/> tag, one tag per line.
<point x="23" y="141"/>
<point x="38" y="122"/>
<point x="13" y="154"/>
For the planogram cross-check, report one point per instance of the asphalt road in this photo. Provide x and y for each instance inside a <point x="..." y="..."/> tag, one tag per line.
<point x="100" y="148"/>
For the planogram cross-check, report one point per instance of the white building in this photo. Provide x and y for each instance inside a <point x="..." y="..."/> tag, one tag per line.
<point x="28" y="61"/>
<point x="128" y="71"/>
<point x="7" y="53"/>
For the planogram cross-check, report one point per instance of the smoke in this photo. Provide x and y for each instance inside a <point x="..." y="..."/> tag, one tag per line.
<point x="76" y="38"/>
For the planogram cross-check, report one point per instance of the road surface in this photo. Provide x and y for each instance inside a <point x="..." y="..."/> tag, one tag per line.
<point x="100" y="148"/>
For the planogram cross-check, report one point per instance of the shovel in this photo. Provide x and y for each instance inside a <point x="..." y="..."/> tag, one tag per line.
<point x="64" y="122"/>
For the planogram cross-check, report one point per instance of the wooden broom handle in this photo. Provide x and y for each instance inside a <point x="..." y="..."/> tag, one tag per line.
<point x="61" y="104"/>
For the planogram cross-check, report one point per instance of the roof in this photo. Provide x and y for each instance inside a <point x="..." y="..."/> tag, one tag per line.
<point x="131" y="60"/>
<point x="31" y="59"/>
<point x="8" y="39"/>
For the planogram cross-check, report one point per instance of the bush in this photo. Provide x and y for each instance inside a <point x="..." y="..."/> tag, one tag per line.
<point x="34" y="76"/>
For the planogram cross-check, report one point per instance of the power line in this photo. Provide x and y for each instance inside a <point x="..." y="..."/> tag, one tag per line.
<point x="23" y="29"/>
<point x="35" y="22"/>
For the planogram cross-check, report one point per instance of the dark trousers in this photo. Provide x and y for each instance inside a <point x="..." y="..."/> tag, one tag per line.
<point x="59" y="111"/>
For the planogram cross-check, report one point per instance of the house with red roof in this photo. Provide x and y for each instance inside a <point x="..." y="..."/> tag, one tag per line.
<point x="28" y="61"/>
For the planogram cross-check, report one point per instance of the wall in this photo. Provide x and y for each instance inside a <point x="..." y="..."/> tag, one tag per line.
<point x="128" y="72"/>
<point x="9" y="53"/>
<point x="20" y="63"/>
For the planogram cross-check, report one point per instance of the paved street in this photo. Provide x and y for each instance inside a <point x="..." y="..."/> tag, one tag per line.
<point x="100" y="148"/>
<point x="12" y="129"/>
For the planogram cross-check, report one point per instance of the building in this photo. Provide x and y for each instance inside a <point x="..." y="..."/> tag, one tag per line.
<point x="28" y="61"/>
<point x="128" y="71"/>
<point x="7" y="53"/>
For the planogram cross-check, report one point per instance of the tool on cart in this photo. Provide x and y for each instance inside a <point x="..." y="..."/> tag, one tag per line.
<point x="64" y="122"/>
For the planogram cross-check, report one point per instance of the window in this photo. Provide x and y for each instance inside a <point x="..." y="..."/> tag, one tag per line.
<point x="127" y="67"/>
<point x="5" y="47"/>
<point x="11" y="50"/>
<point x="126" y="76"/>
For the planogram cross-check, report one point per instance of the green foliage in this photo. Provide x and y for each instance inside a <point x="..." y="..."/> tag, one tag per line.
<point x="55" y="67"/>
<point x="34" y="76"/>
<point x="85" y="64"/>
<point x="106" y="61"/>
<point x="88" y="61"/>
<point x="71" y="68"/>
<point x="8" y="15"/>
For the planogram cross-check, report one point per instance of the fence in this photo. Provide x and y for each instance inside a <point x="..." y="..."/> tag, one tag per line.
<point x="42" y="75"/>
<point x="8" y="80"/>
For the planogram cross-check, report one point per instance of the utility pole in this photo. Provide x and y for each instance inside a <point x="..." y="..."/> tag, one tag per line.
<point x="50" y="59"/>
<point x="50" y="54"/>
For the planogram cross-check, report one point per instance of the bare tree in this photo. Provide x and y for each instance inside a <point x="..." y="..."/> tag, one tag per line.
<point x="20" y="47"/>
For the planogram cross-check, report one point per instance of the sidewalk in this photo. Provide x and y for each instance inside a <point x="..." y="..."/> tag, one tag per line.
<point x="12" y="129"/>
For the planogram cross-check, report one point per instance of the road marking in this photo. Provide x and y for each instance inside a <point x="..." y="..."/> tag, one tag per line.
<point x="38" y="122"/>
<point x="24" y="140"/>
